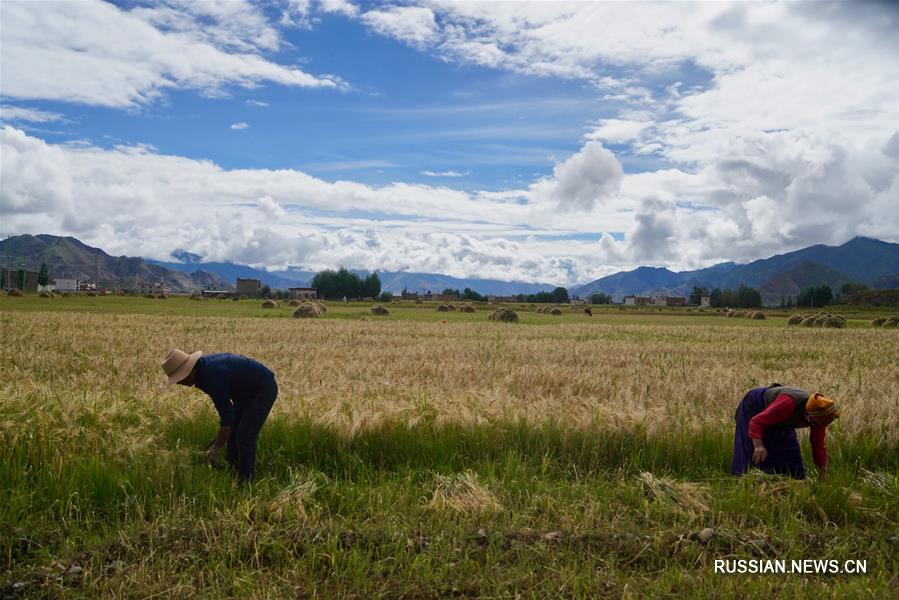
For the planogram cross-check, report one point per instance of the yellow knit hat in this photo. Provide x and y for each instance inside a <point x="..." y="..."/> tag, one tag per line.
<point x="822" y="408"/>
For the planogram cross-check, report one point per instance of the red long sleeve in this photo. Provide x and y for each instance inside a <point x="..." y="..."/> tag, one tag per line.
<point x="819" y="449"/>
<point x="777" y="412"/>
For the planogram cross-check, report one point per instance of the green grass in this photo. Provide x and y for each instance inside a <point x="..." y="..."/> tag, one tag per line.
<point x="367" y="529"/>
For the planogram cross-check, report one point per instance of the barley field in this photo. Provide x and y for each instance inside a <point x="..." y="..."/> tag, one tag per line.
<point x="427" y="454"/>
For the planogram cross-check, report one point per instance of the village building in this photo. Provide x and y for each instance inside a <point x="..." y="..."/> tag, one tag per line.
<point x="637" y="300"/>
<point x="251" y="288"/>
<point x="63" y="284"/>
<point x="301" y="293"/>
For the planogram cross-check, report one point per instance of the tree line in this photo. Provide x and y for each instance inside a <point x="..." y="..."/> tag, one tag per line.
<point x="343" y="283"/>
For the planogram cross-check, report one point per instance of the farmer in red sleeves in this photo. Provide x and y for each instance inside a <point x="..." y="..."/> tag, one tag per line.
<point x="766" y="423"/>
<point x="243" y="391"/>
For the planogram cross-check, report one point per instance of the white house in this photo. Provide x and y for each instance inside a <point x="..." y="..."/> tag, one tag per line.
<point x="66" y="285"/>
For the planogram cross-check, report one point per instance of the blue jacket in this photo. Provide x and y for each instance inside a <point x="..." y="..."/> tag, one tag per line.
<point x="232" y="380"/>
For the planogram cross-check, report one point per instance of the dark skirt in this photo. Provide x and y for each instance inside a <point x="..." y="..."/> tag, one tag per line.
<point x="784" y="456"/>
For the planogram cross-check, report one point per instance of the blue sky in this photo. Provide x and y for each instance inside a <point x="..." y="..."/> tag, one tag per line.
<point x="537" y="141"/>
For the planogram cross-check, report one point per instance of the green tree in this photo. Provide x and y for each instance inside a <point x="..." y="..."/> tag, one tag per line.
<point x="372" y="286"/>
<point x="451" y="292"/>
<point x="600" y="298"/>
<point x="696" y="295"/>
<point x="815" y="296"/>
<point x="559" y="296"/>
<point x="266" y="291"/>
<point x="386" y="297"/>
<point x="748" y="297"/>
<point x="470" y="294"/>
<point x="43" y="276"/>
<point x="716" y="298"/>
<point x="20" y="279"/>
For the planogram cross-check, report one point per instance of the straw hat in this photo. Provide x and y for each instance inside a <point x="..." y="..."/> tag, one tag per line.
<point x="178" y="365"/>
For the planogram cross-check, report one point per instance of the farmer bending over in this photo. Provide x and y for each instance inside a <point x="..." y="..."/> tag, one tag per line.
<point x="766" y="423"/>
<point x="243" y="392"/>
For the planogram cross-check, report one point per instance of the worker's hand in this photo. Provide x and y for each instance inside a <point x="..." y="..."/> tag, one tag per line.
<point x="759" y="454"/>
<point x="214" y="457"/>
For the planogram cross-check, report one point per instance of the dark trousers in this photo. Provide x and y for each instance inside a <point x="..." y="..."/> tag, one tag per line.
<point x="249" y="417"/>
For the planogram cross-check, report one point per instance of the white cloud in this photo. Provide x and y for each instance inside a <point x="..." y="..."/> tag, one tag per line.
<point x="93" y="52"/>
<point x="449" y="173"/>
<point x="412" y="24"/>
<point x="16" y="114"/>
<point x="583" y="179"/>
<point x="257" y="103"/>
<point x="239" y="126"/>
<point x="343" y="7"/>
<point x="617" y="131"/>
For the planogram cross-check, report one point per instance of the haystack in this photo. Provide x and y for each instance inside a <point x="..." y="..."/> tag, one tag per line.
<point x="45" y="295"/>
<point x="808" y="322"/>
<point x="442" y="308"/>
<point x="878" y="321"/>
<point x="293" y="303"/>
<point x="269" y="304"/>
<point x="891" y="322"/>
<point x="555" y="310"/>
<point x="418" y="301"/>
<point x="161" y="297"/>
<point x="819" y="320"/>
<point x="836" y="322"/>
<point x="794" y="320"/>
<point x="321" y="307"/>
<point x="467" y="308"/>
<point x="379" y="310"/>
<point x="307" y="310"/>
<point x="505" y="315"/>
<point x="234" y="299"/>
<point x="588" y="311"/>
<point x="757" y="315"/>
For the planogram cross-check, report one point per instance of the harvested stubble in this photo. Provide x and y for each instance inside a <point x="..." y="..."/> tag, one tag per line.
<point x="463" y="494"/>
<point x="505" y="315"/>
<point x="685" y="497"/>
<point x="379" y="310"/>
<point x="307" y="310"/>
<point x="467" y="308"/>
<point x="794" y="320"/>
<point x="269" y="304"/>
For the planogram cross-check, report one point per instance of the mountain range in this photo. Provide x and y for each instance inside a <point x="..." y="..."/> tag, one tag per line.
<point x="861" y="260"/>
<point x="69" y="257"/>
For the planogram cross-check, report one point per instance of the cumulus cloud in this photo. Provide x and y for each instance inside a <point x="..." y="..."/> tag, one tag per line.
<point x="96" y="53"/>
<point x="343" y="7"/>
<point x="586" y="177"/>
<point x="239" y="126"/>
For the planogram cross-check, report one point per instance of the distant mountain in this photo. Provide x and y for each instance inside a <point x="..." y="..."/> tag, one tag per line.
<point x="863" y="260"/>
<point x="790" y="283"/>
<point x="230" y="272"/>
<point x="68" y="257"/>
<point x="391" y="281"/>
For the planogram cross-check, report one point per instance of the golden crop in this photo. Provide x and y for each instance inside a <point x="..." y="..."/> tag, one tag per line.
<point x="102" y="371"/>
